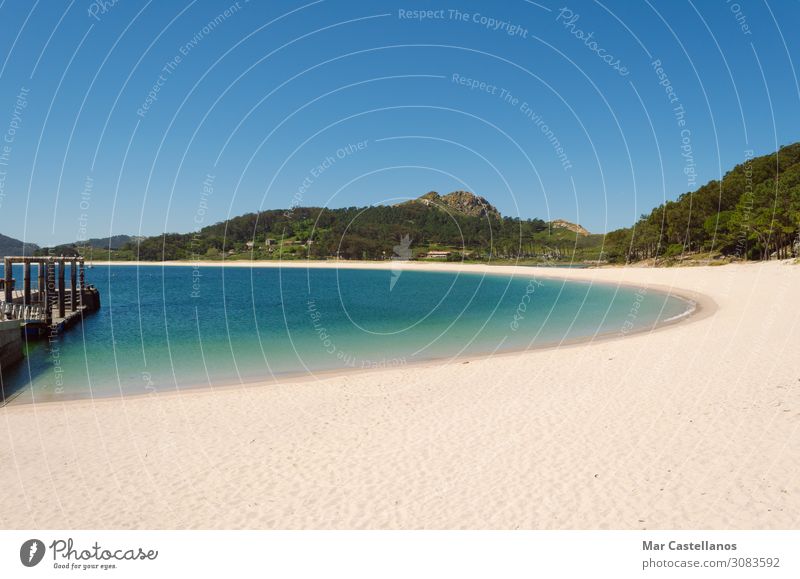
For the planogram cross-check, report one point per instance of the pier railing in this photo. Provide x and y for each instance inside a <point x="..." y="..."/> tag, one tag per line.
<point x="12" y="311"/>
<point x="50" y="303"/>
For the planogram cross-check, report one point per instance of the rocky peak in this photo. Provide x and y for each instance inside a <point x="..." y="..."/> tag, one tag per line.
<point x="574" y="227"/>
<point x="462" y="202"/>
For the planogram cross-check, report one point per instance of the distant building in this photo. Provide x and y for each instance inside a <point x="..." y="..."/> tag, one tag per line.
<point x="269" y="242"/>
<point x="249" y="245"/>
<point x="437" y="254"/>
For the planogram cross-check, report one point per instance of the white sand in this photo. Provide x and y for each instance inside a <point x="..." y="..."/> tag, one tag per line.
<point x="696" y="425"/>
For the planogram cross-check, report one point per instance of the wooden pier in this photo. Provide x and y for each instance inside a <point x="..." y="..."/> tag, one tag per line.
<point x="50" y="306"/>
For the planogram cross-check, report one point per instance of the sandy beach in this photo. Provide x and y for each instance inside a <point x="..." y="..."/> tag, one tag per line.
<point x="694" y="425"/>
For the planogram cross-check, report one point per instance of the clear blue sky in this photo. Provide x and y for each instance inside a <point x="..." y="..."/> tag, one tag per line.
<point x="259" y="97"/>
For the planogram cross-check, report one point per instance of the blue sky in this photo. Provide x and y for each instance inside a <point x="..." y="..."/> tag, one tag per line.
<point x="551" y="110"/>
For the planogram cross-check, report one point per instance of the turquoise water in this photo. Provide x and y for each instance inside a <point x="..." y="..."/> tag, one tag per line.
<point x="163" y="329"/>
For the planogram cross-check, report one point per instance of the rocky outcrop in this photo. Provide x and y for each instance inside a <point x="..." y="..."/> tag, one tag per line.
<point x="462" y="202"/>
<point x="574" y="227"/>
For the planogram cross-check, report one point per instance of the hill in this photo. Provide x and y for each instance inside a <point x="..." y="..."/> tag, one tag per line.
<point x="752" y="213"/>
<point x="11" y="246"/>
<point x="87" y="248"/>
<point x="113" y="242"/>
<point x="349" y="233"/>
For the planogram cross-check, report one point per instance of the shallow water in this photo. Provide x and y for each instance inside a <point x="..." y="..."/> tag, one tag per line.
<point x="167" y="328"/>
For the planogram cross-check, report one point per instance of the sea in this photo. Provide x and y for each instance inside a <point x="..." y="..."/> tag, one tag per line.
<point x="164" y="329"/>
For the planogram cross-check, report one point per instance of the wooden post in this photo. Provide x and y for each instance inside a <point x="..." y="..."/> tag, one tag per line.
<point x="81" y="281"/>
<point x="8" y="277"/>
<point x="26" y="281"/>
<point x="40" y="285"/>
<point x="61" y="287"/>
<point x="73" y="285"/>
<point x="50" y="290"/>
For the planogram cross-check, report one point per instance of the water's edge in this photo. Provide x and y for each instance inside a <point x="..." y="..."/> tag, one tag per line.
<point x="697" y="307"/>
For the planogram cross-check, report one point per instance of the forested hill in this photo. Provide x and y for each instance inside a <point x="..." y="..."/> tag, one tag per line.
<point x="349" y="233"/>
<point x="752" y="213"/>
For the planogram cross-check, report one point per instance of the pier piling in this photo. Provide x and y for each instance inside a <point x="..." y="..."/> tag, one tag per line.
<point x="8" y="281"/>
<point x="26" y="283"/>
<point x="50" y="290"/>
<point x="73" y="285"/>
<point x="40" y="281"/>
<point x="61" y="288"/>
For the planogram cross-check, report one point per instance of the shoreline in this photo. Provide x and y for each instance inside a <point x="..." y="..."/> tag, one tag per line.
<point x="699" y="306"/>
<point x="695" y="313"/>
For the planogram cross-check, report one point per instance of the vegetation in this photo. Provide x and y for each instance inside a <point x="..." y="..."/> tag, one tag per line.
<point x="752" y="213"/>
<point x="349" y="233"/>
